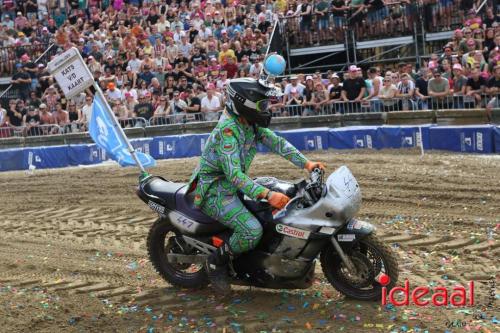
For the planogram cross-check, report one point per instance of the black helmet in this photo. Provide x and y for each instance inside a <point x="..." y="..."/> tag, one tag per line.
<point x="249" y="98"/>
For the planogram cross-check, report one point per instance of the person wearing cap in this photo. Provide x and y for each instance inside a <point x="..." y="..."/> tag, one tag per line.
<point x="20" y="21"/>
<point x="112" y="93"/>
<point x="7" y="22"/>
<point x="459" y="86"/>
<point x="144" y="108"/>
<point x="294" y="83"/>
<point x="439" y="90"/>
<point x="353" y="90"/>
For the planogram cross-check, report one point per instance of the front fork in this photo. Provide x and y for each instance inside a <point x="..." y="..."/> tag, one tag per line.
<point x="345" y="259"/>
<point x="349" y="233"/>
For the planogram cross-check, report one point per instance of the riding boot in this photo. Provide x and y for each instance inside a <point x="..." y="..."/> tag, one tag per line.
<point x="217" y="266"/>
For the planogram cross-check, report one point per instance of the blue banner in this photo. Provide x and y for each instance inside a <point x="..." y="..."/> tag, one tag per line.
<point x="469" y="139"/>
<point x="103" y="130"/>
<point x="496" y="138"/>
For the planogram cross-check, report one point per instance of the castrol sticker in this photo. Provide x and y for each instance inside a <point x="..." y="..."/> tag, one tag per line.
<point x="292" y="232"/>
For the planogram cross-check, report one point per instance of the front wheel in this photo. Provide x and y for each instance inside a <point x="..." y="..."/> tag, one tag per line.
<point x="162" y="240"/>
<point x="372" y="258"/>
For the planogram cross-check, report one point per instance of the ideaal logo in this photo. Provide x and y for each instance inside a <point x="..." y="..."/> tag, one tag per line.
<point x="440" y="296"/>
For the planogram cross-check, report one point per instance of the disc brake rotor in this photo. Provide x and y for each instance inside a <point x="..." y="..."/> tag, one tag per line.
<point x="364" y="275"/>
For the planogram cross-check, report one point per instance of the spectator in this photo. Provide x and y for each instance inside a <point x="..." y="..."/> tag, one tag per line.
<point x="475" y="87"/>
<point x="4" y="123"/>
<point x="31" y="121"/>
<point x="459" y="86"/>
<point x="144" y="108"/>
<point x="319" y="99"/>
<point x="113" y="94"/>
<point x="21" y="81"/>
<point x="34" y="100"/>
<point x="305" y="11"/>
<point x="294" y="103"/>
<point x="387" y="94"/>
<point x="374" y="85"/>
<point x="421" y="88"/>
<point x="46" y="118"/>
<point x="406" y="89"/>
<point x="493" y="88"/>
<point x="75" y="118"/>
<point x="14" y="114"/>
<point x="231" y="68"/>
<point x="211" y="105"/>
<point x="193" y="107"/>
<point x="339" y="11"/>
<point x="86" y="110"/>
<point x="61" y="116"/>
<point x="122" y="113"/>
<point x="335" y="94"/>
<point x="439" y="90"/>
<point x="323" y="16"/>
<point x="161" y="112"/>
<point x="353" y="90"/>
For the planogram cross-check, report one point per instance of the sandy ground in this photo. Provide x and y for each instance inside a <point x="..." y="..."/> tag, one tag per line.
<point x="73" y="258"/>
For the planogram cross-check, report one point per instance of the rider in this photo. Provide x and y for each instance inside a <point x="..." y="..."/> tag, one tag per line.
<point x="224" y="163"/>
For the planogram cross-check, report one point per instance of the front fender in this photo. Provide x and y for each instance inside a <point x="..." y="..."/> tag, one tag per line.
<point x="352" y="232"/>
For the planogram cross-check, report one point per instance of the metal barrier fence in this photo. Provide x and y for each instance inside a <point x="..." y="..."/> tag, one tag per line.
<point x="36" y="130"/>
<point x="458" y="102"/>
<point x="182" y="118"/>
<point x="387" y="105"/>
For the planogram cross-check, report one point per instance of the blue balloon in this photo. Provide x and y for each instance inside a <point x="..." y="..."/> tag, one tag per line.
<point x="274" y="64"/>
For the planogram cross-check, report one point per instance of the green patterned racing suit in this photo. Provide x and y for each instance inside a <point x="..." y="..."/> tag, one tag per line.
<point x="221" y="173"/>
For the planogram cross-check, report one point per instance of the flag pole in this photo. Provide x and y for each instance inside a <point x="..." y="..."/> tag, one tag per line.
<point x="421" y="142"/>
<point x="118" y="128"/>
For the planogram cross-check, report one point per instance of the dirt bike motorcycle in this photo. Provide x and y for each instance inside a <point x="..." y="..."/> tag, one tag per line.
<point x="318" y="222"/>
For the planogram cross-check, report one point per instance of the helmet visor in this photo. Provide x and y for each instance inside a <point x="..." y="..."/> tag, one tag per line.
<point x="262" y="105"/>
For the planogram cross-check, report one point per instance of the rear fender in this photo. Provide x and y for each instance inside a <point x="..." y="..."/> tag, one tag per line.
<point x="352" y="232"/>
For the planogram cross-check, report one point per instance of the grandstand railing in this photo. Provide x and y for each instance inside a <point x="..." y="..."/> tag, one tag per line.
<point x="452" y="102"/>
<point x="182" y="118"/>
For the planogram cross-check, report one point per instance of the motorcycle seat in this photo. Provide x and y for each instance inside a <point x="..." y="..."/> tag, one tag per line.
<point x="164" y="190"/>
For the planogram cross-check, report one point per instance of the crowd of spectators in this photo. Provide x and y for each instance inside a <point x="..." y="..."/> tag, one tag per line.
<point x="168" y="62"/>
<point x="322" y="21"/>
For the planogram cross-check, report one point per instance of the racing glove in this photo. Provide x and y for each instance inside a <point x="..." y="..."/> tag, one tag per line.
<point x="277" y="200"/>
<point x="310" y="166"/>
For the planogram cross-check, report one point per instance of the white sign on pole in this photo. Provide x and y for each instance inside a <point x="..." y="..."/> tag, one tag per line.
<point x="71" y="72"/>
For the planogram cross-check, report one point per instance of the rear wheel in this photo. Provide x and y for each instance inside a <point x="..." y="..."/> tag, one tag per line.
<point x="161" y="241"/>
<point x="372" y="258"/>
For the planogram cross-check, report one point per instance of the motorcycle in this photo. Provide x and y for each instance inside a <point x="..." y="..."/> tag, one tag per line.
<point x="318" y="222"/>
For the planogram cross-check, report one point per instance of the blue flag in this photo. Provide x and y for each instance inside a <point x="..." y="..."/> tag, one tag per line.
<point x="103" y="132"/>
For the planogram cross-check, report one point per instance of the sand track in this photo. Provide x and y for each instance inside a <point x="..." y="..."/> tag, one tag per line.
<point x="79" y="234"/>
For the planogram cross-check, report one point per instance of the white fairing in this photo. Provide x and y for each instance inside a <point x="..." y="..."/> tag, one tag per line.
<point x="340" y="203"/>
